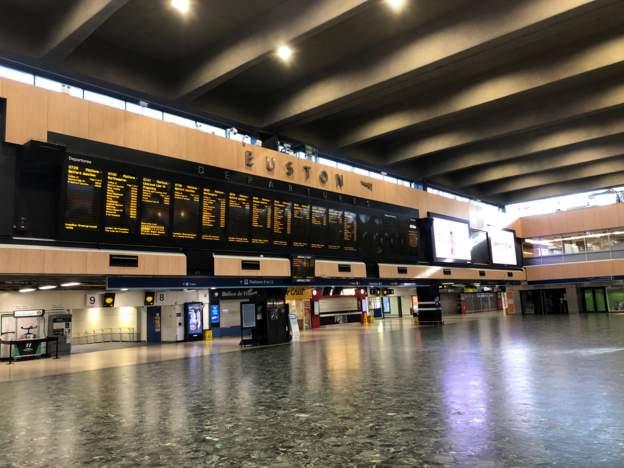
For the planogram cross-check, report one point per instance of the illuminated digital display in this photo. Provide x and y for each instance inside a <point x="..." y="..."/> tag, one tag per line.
<point x="301" y="225"/>
<point x="185" y="211"/>
<point x="349" y="231"/>
<point x="122" y="203"/>
<point x="213" y="214"/>
<point x="503" y="246"/>
<point x="155" y="205"/>
<point x="238" y="217"/>
<point x="411" y="239"/>
<point x="334" y="229"/>
<point x="261" y="220"/>
<point x="83" y="202"/>
<point x="282" y="222"/>
<point x="318" y="223"/>
<point x="451" y="240"/>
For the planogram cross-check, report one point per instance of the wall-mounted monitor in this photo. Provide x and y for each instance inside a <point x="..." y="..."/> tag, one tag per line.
<point x="503" y="247"/>
<point x="479" y="249"/>
<point x="451" y="240"/>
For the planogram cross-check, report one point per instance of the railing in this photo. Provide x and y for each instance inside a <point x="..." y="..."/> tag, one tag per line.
<point x="106" y="335"/>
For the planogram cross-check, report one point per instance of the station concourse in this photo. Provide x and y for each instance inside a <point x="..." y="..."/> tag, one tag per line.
<point x="311" y="233"/>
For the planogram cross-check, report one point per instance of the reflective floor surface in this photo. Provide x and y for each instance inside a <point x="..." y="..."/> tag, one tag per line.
<point x="508" y="391"/>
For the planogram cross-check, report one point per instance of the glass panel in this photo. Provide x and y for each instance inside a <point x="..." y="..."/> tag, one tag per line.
<point x="588" y="298"/>
<point x="543" y="247"/>
<point x="615" y="299"/>
<point x="597" y="241"/>
<point x="529" y="249"/>
<point x="105" y="100"/>
<point x="17" y="75"/>
<point x="573" y="244"/>
<point x="599" y="295"/>
<point x="617" y="239"/>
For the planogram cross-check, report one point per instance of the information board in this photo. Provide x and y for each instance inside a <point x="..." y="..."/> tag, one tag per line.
<point x="213" y="214"/>
<point x="261" y="220"/>
<point x="349" y="231"/>
<point x="335" y="229"/>
<point x="155" y="206"/>
<point x="121" y="203"/>
<point x="83" y="200"/>
<point x="282" y="222"/>
<point x="186" y="203"/>
<point x="301" y="225"/>
<point x="318" y="224"/>
<point x="238" y="222"/>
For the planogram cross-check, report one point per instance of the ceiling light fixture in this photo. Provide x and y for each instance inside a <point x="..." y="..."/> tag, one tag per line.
<point x="47" y="287"/>
<point x="284" y="53"/>
<point x="71" y="284"/>
<point x="27" y="290"/>
<point x="183" y="6"/>
<point x="396" y="5"/>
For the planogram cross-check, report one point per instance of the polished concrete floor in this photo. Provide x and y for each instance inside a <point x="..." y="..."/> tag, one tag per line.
<point x="506" y="391"/>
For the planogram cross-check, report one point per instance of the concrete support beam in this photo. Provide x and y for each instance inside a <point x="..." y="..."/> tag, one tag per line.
<point x="79" y="23"/>
<point x="289" y="23"/>
<point x="443" y="47"/>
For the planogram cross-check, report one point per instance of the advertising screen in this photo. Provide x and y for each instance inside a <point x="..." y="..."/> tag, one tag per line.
<point x="503" y="246"/>
<point x="451" y="240"/>
<point x="82" y="207"/>
<point x="479" y="251"/>
<point x="194" y="312"/>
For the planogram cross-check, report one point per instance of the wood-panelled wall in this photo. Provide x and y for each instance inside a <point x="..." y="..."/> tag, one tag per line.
<point x="34" y="260"/>
<point x="33" y="112"/>
<point x="566" y="222"/>
<point x="563" y="271"/>
<point x="425" y="272"/>
<point x="230" y="265"/>
<point x="330" y="269"/>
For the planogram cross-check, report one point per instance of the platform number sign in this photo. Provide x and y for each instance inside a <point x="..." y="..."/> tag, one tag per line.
<point x="93" y="300"/>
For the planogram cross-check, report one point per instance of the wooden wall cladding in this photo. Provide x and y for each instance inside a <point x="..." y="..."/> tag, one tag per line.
<point x="33" y="112"/>
<point x="566" y="222"/>
<point x="424" y="272"/>
<point x="232" y="265"/>
<point x="16" y="259"/>
<point x="331" y="269"/>
<point x="566" y="271"/>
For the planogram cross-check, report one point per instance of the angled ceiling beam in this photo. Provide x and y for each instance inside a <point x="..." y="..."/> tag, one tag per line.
<point x="565" y="188"/>
<point x="495" y="90"/>
<point x="288" y="23"/>
<point x="568" y="134"/>
<point x="590" y="168"/>
<point x="566" y="156"/>
<point x="443" y="47"/>
<point x="597" y="97"/>
<point x="80" y="21"/>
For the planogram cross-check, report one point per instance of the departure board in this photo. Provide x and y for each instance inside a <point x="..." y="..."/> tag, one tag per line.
<point x="238" y="217"/>
<point x="318" y="225"/>
<point x="83" y="201"/>
<point x="349" y="231"/>
<point x="121" y="203"/>
<point x="412" y="235"/>
<point x="301" y="225"/>
<point x="282" y="222"/>
<point x="155" y="205"/>
<point x="390" y="234"/>
<point x="213" y="214"/>
<point x="261" y="220"/>
<point x="334" y="229"/>
<point x="185" y="211"/>
<point x="303" y="267"/>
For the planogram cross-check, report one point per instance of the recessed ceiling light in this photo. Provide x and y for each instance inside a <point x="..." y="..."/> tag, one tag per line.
<point x="71" y="284"/>
<point x="47" y="287"/>
<point x="284" y="53"/>
<point x="183" y="6"/>
<point x="27" y="290"/>
<point x="123" y="289"/>
<point x="396" y="5"/>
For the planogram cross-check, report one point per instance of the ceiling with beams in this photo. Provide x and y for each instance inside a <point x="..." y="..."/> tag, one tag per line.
<point x="503" y="100"/>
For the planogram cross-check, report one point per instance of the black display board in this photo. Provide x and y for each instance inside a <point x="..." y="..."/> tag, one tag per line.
<point x="113" y="202"/>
